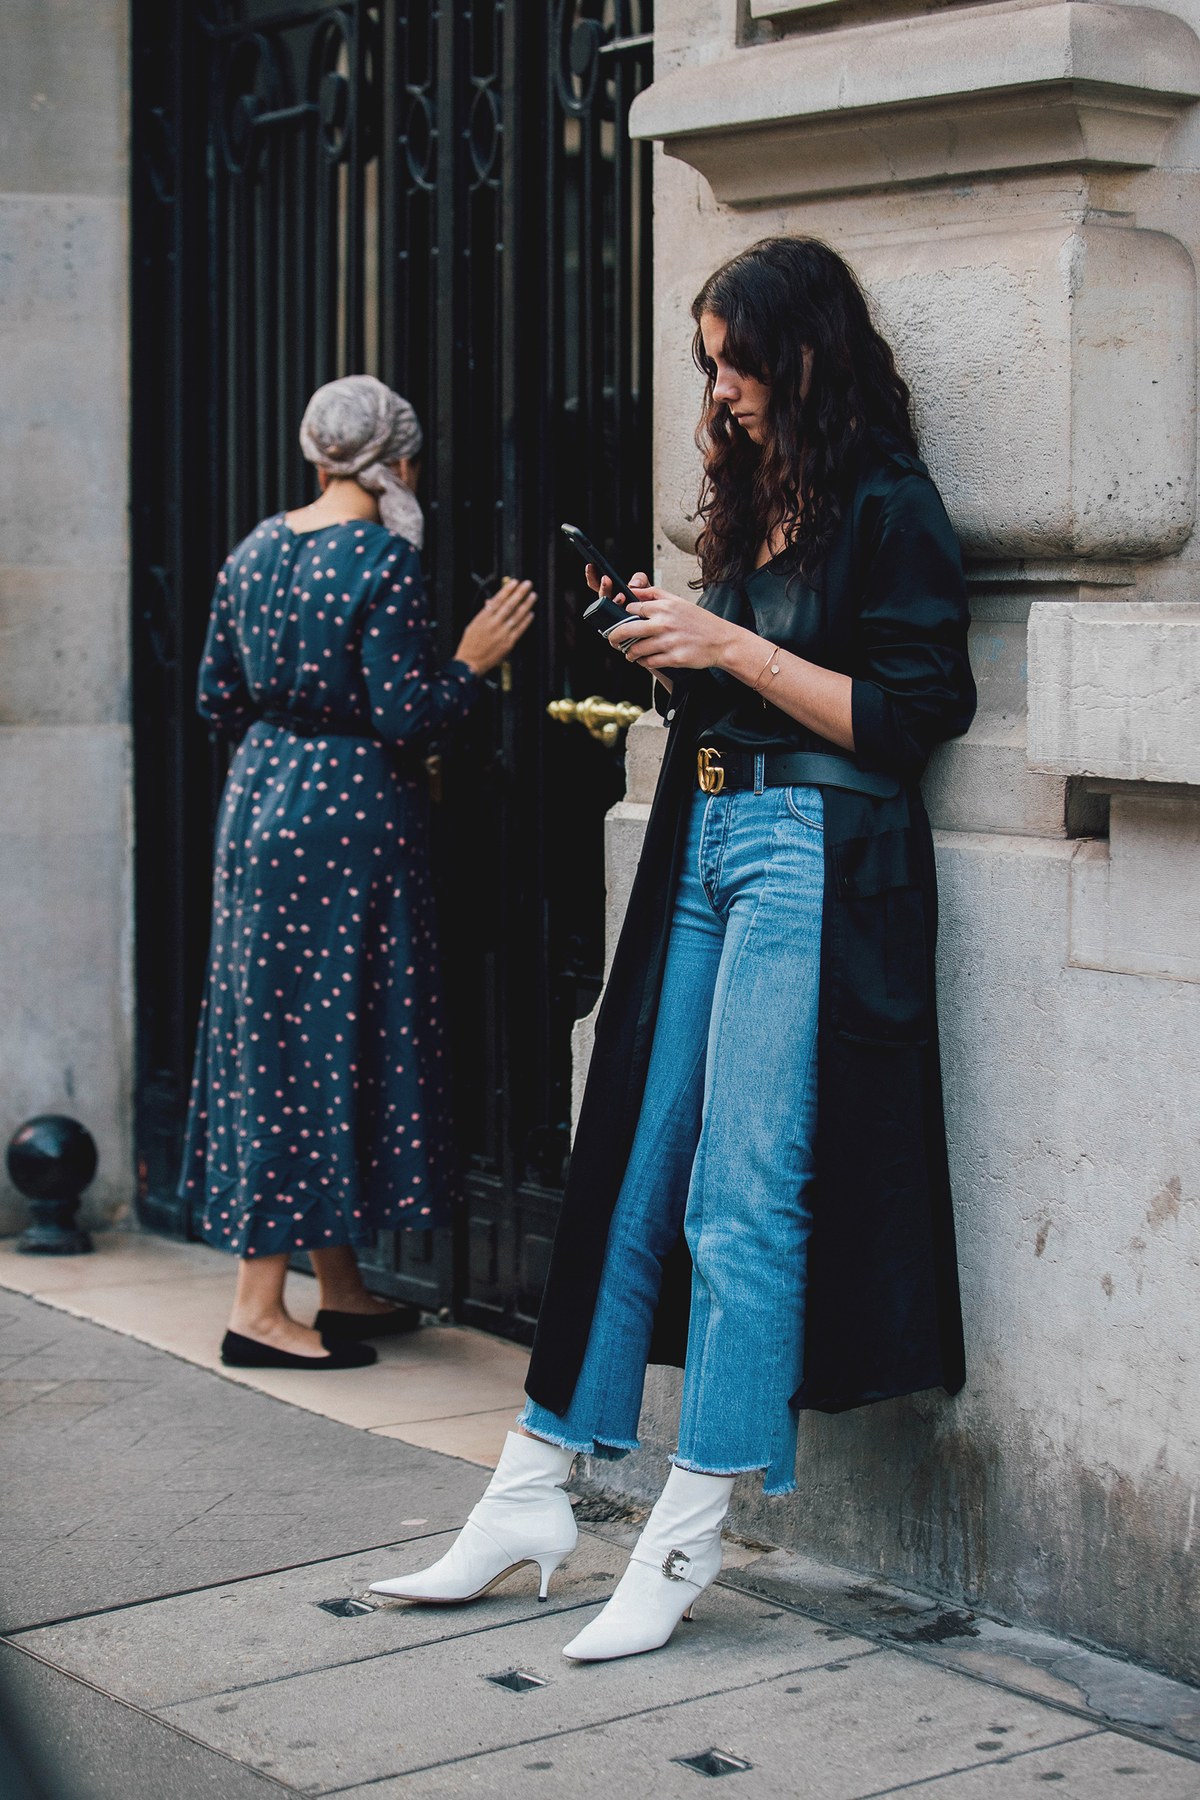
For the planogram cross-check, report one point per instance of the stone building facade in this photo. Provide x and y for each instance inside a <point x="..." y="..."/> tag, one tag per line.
<point x="65" y="788"/>
<point x="1019" y="188"/>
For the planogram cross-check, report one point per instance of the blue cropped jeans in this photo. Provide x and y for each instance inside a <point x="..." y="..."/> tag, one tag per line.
<point x="724" y="1146"/>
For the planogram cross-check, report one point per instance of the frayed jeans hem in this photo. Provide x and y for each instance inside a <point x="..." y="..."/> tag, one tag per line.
<point x="770" y="1489"/>
<point x="593" y="1446"/>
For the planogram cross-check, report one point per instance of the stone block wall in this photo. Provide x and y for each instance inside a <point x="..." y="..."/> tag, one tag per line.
<point x="65" y="828"/>
<point x="1017" y="186"/>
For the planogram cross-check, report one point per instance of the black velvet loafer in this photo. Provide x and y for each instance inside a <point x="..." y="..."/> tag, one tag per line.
<point x="240" y="1352"/>
<point x="348" y="1327"/>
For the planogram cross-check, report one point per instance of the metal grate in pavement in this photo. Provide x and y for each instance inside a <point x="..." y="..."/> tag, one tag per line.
<point x="518" y="1681"/>
<point x="714" y="1762"/>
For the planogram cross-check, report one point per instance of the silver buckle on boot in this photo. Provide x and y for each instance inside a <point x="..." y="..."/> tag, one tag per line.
<point x="673" y="1565"/>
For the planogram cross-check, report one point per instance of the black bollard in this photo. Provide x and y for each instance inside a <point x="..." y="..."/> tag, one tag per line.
<point x="51" y="1159"/>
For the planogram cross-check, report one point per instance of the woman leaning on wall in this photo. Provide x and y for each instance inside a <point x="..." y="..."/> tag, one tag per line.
<point x="758" y="1185"/>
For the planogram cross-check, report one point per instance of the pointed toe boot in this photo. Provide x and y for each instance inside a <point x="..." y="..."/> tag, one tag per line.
<point x="677" y="1556"/>
<point x="524" y="1517"/>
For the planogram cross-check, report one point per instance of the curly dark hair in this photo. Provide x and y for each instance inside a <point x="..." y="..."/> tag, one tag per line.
<point x="779" y="298"/>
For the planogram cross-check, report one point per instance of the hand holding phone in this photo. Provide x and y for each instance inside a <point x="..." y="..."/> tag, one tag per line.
<point x="604" y="613"/>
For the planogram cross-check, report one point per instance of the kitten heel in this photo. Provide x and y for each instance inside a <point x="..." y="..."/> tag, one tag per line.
<point x="547" y="1566"/>
<point x="523" y="1517"/>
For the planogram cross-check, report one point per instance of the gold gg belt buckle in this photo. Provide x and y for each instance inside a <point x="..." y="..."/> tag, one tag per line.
<point x="709" y="772"/>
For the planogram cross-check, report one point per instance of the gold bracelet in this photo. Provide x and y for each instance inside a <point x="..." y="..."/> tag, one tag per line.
<point x="771" y="665"/>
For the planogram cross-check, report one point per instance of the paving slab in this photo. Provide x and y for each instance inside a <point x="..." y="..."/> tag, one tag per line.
<point x="416" y="1708"/>
<point x="1107" y="1686"/>
<point x="439" y="1372"/>
<point x="168" y="1534"/>
<point x="1099" y="1766"/>
<point x="1032" y="1662"/>
<point x="258" y="1631"/>
<point x="871" y="1724"/>
<point x="83" y="1746"/>
<point x="147" y="1476"/>
<point x="477" y="1437"/>
<point x="445" y="1387"/>
<point x="185" y="1315"/>
<point x="120" y="1258"/>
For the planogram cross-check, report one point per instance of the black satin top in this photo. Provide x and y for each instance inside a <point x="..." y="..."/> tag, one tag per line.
<point x="729" y="714"/>
<point x="888" y="610"/>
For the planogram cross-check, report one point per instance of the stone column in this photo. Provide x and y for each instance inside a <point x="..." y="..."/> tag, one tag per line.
<point x="64" y="740"/>
<point x="1018" y="188"/>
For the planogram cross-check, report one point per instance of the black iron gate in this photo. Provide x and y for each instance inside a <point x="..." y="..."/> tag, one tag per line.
<point x="444" y="195"/>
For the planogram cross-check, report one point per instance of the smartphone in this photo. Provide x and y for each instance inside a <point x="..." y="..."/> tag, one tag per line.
<point x="603" y="613"/>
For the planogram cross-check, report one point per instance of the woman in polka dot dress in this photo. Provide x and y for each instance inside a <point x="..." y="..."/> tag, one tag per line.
<point x="319" y="1109"/>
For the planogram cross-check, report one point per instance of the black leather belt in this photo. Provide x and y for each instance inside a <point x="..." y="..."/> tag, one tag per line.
<point x="306" y="727"/>
<point x="721" y="771"/>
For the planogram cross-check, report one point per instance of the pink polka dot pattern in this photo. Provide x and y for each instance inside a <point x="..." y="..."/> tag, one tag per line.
<point x="320" y="1104"/>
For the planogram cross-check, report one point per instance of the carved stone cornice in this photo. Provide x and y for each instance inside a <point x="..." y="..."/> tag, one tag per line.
<point x="942" y="96"/>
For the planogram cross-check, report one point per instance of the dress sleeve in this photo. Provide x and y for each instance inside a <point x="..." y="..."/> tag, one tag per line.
<point x="912" y="684"/>
<point x="223" y="698"/>
<point x="412" y="701"/>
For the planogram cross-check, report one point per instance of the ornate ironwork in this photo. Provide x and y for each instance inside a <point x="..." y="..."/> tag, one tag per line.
<point x="445" y="196"/>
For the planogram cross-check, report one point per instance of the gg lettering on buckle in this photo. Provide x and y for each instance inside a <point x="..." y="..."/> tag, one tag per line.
<point x="709" y="772"/>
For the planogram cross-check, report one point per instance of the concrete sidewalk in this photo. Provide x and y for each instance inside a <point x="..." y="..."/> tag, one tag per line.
<point x="446" y="1388"/>
<point x="174" y="1543"/>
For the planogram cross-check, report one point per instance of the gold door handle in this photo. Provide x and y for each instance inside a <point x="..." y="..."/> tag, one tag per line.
<point x="604" y="719"/>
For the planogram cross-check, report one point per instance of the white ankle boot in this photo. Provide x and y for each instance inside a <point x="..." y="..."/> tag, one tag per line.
<point x="523" y="1517"/>
<point x="677" y="1556"/>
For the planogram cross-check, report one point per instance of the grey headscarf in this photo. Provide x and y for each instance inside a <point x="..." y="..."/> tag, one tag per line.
<point x="357" y="426"/>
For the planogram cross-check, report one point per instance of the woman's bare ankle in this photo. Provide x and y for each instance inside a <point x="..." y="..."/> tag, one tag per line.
<point x="352" y="1300"/>
<point x="278" y="1330"/>
<point x="340" y="1283"/>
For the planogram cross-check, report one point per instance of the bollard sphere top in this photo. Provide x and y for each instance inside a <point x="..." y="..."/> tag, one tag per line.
<point x="51" y="1157"/>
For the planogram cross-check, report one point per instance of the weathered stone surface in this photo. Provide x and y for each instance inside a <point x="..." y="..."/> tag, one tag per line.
<point x="846" y="1726"/>
<point x="64" y="977"/>
<point x="63" y="645"/>
<point x="64" y="89"/>
<point x="763" y="1725"/>
<point x="273" y="1628"/>
<point x="65" y="816"/>
<point x="1077" y="1177"/>
<point x="81" y="1743"/>
<point x="1114" y="690"/>
<point x="322" y="1730"/>
<point x="157" y="1684"/>
<point x="624" y="829"/>
<point x="1044" y="319"/>
<point x="1054" y="372"/>
<point x="130" y="1474"/>
<point x="983" y="782"/>
<point x="1055" y="375"/>
<point x="1135" y="897"/>
<point x="63" y="381"/>
<point x="933" y="95"/>
<point x="643" y="753"/>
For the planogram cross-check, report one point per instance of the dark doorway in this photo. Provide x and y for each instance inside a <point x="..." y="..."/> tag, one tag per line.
<point x="446" y="196"/>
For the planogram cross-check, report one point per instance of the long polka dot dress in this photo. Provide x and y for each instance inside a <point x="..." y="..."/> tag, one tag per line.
<point x="319" y="1110"/>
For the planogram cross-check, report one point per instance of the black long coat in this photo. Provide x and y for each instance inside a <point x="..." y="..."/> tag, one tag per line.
<point x="882" y="1310"/>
